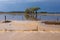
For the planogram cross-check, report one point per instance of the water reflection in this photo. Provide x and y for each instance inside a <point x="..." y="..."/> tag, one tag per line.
<point x="23" y="17"/>
<point x="11" y="17"/>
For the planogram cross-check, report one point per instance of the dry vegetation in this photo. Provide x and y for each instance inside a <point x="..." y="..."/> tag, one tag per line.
<point x="52" y="23"/>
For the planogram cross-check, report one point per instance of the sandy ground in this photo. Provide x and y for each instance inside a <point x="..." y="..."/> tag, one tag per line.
<point x="22" y="30"/>
<point x="32" y="35"/>
<point x="28" y="26"/>
<point x="47" y="27"/>
<point x="19" y="25"/>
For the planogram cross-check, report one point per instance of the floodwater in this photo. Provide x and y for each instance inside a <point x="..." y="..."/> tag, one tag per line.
<point x="21" y="16"/>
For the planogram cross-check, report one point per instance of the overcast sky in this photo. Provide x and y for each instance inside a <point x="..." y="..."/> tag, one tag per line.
<point x="21" y="5"/>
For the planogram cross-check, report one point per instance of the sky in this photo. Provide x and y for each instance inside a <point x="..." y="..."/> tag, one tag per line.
<point x="21" y="5"/>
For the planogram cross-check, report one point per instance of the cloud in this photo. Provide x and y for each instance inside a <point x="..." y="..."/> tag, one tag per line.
<point x="5" y="2"/>
<point x="32" y="0"/>
<point x="21" y="1"/>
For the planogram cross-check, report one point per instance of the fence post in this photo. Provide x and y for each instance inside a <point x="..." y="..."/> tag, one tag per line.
<point x="5" y="18"/>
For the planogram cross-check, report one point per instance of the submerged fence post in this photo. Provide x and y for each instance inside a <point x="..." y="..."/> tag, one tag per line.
<point x="57" y="19"/>
<point x="5" y="18"/>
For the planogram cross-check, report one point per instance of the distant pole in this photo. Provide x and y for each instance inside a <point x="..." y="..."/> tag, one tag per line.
<point x="57" y="19"/>
<point x="5" y="18"/>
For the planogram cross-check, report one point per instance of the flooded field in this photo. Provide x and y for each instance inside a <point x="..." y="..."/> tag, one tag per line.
<point x="21" y="16"/>
<point x="22" y="29"/>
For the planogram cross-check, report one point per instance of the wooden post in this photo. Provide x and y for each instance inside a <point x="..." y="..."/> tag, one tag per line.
<point x="57" y="19"/>
<point x="5" y="18"/>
